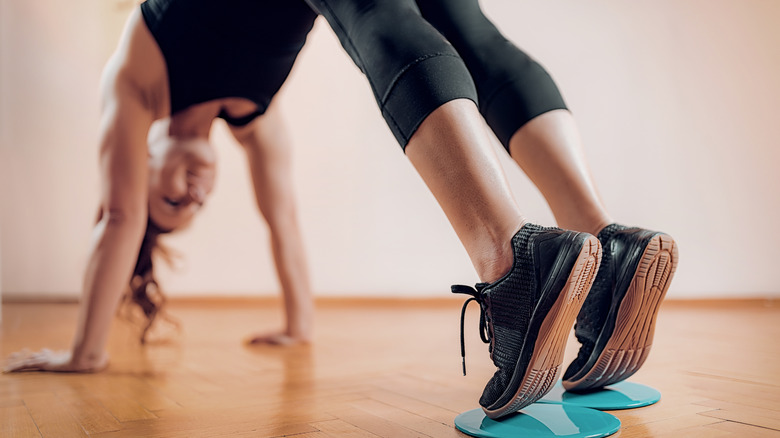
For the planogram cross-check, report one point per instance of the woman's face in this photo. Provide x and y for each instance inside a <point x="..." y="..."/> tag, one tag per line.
<point x="181" y="176"/>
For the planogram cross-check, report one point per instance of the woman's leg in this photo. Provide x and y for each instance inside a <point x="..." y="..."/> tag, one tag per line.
<point x="530" y="302"/>
<point x="526" y="111"/>
<point x="452" y="154"/>
<point x="411" y="68"/>
<point x="538" y="277"/>
<point x="549" y="150"/>
<point x="523" y="106"/>
<point x="414" y="72"/>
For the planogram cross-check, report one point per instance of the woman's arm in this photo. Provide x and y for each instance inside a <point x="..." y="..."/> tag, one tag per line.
<point x="267" y="146"/>
<point x="116" y="237"/>
<point x="134" y="91"/>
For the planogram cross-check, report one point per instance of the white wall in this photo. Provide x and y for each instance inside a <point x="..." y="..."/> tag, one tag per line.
<point x="1" y="280"/>
<point x="676" y="101"/>
<point x="3" y="131"/>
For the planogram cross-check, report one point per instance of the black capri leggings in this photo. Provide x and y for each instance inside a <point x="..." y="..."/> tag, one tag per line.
<point x="413" y="69"/>
<point x="512" y="87"/>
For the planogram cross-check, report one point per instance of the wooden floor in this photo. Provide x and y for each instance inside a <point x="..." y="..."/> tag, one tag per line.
<point x="387" y="369"/>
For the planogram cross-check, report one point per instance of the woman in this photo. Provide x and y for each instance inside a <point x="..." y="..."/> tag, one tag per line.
<point x="404" y="56"/>
<point x="527" y="113"/>
<point x="191" y="84"/>
<point x="535" y="279"/>
<point x="156" y="180"/>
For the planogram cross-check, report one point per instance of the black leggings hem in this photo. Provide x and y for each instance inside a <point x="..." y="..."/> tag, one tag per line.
<point x="423" y="86"/>
<point x="514" y="104"/>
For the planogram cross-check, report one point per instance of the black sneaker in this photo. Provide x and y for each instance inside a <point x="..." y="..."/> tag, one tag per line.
<point x="527" y="314"/>
<point x="617" y="321"/>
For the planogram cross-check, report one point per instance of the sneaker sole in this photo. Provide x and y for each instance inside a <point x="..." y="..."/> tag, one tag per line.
<point x="630" y="342"/>
<point x="544" y="366"/>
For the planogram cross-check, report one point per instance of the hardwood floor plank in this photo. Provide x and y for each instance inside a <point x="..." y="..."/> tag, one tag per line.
<point x="188" y="426"/>
<point x="433" y="394"/>
<point x="124" y="408"/>
<point x="745" y="417"/>
<point x="674" y="426"/>
<point x="747" y="395"/>
<point x="138" y="389"/>
<point x="342" y="429"/>
<point x="52" y="417"/>
<point x="744" y="430"/>
<point x="10" y="402"/>
<point x="657" y="412"/>
<point x="15" y="421"/>
<point x="410" y="420"/>
<point x="313" y="435"/>
<point x="88" y="411"/>
<point x="409" y="404"/>
<point x="375" y="425"/>
<point x="740" y="408"/>
<point x="717" y="373"/>
<point x="32" y="383"/>
<point x="695" y="432"/>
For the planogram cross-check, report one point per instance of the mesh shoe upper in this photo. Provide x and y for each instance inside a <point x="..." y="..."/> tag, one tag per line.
<point x="510" y="302"/>
<point x="509" y="305"/>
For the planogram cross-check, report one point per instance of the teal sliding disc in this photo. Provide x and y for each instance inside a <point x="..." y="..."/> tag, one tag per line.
<point x="622" y="395"/>
<point x="540" y="421"/>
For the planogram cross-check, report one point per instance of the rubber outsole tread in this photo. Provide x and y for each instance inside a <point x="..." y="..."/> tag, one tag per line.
<point x="629" y="345"/>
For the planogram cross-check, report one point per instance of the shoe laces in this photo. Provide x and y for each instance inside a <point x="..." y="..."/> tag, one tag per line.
<point x="484" y="318"/>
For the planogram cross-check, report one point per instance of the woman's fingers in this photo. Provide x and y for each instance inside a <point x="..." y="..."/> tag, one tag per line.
<point x="280" y="339"/>
<point x="43" y="360"/>
<point x="21" y="362"/>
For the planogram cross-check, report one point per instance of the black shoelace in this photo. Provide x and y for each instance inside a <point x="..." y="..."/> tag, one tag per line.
<point x="484" y="331"/>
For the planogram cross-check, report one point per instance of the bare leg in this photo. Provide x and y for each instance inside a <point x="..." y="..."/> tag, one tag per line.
<point x="523" y="106"/>
<point x="452" y="153"/>
<point x="549" y="150"/>
<point x="268" y="151"/>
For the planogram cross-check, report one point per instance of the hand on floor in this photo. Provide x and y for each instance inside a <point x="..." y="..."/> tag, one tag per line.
<point x="277" y="338"/>
<point x="52" y="361"/>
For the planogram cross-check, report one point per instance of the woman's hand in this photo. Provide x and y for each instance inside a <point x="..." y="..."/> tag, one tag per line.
<point x="51" y="361"/>
<point x="277" y="338"/>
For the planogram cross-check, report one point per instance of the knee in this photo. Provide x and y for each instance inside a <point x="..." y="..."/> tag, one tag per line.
<point x="461" y="21"/>
<point x="396" y="29"/>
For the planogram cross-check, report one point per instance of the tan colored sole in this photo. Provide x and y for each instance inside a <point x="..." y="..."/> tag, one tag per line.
<point x="545" y="364"/>
<point x="629" y="346"/>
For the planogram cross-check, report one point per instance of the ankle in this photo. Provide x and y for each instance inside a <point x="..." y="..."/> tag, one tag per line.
<point x="592" y="225"/>
<point x="492" y="270"/>
<point x="597" y="227"/>
<point x="497" y="259"/>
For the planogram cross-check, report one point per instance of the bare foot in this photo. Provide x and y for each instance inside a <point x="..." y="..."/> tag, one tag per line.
<point x="277" y="338"/>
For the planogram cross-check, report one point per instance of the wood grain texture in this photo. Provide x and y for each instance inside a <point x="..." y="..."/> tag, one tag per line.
<point x="375" y="369"/>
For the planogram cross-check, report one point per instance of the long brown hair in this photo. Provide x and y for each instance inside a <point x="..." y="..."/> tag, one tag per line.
<point x="144" y="290"/>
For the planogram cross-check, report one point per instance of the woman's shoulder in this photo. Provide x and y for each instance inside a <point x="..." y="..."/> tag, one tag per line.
<point x="137" y="66"/>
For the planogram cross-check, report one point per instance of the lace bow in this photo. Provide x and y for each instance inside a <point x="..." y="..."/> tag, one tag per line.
<point x="484" y="331"/>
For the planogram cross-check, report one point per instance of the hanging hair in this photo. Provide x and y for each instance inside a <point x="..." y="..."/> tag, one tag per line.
<point x="144" y="290"/>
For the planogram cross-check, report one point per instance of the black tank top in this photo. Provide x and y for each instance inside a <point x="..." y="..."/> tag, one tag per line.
<point x="227" y="48"/>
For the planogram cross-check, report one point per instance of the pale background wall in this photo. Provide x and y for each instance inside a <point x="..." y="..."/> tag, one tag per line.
<point x="677" y="101"/>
